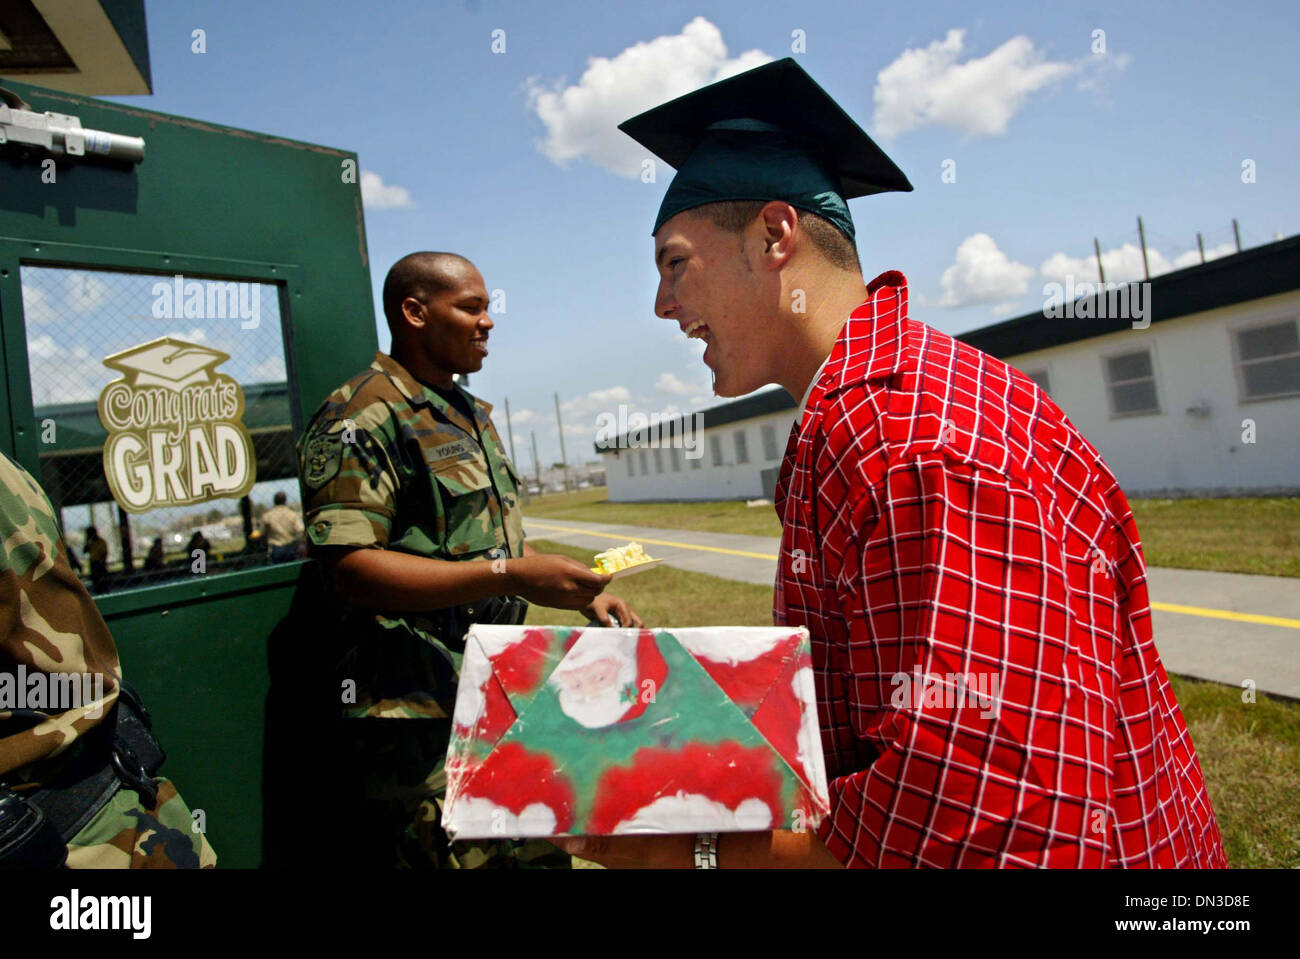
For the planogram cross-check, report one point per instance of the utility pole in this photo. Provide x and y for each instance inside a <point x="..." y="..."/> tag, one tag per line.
<point x="564" y="458"/>
<point x="1236" y="232"/>
<point x="510" y="431"/>
<point x="537" y="464"/>
<point x="1200" y="245"/>
<point x="1101" y="270"/>
<point x="1142" y="237"/>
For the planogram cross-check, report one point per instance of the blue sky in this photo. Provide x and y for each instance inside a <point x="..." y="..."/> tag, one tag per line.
<point x="511" y="158"/>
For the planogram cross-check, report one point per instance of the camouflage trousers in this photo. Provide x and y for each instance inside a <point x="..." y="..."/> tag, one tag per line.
<point x="394" y="808"/>
<point x="126" y="835"/>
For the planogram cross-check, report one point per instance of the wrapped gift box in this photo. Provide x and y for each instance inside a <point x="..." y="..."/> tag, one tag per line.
<point x="564" y="731"/>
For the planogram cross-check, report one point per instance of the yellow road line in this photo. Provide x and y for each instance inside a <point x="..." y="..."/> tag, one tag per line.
<point x="1163" y="607"/>
<point x="656" y="542"/>
<point x="1228" y="614"/>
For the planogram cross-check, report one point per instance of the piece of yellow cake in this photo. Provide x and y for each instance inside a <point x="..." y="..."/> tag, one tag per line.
<point x="621" y="557"/>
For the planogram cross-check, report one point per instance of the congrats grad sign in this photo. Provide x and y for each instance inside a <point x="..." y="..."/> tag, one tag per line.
<point x="175" y="433"/>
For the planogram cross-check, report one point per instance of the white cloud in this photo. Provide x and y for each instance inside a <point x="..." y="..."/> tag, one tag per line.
<point x="41" y="346"/>
<point x="194" y="336"/>
<point x="925" y="87"/>
<point x="518" y="418"/>
<point x="668" y="383"/>
<point x="983" y="274"/>
<point x="589" y="405"/>
<point x="270" y="370"/>
<point x="1193" y="257"/>
<point x="1122" y="264"/>
<point x="582" y="119"/>
<point x="63" y="375"/>
<point x="85" y="291"/>
<point x="37" y="309"/>
<point x="378" y="195"/>
<point x="82" y="292"/>
<point x="1099" y="69"/>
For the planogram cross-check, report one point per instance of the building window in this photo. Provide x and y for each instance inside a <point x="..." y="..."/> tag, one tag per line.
<point x="715" y="444"/>
<point x="1040" y="377"/>
<point x="76" y="319"/>
<point x="742" y="448"/>
<point x="1131" y="381"/>
<point x="631" y="470"/>
<point x="1268" y="360"/>
<point x="677" y="459"/>
<point x="645" y="464"/>
<point x="769" y="442"/>
<point x="659" y="460"/>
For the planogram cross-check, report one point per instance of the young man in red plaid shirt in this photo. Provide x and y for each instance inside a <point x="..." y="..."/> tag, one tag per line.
<point x="989" y="693"/>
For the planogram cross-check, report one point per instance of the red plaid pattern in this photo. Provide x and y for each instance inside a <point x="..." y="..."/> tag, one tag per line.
<point x="988" y="688"/>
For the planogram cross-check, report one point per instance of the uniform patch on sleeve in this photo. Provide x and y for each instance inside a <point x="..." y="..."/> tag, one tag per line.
<point x="321" y="459"/>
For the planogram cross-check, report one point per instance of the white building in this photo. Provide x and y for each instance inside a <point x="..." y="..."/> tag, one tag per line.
<point x="736" y="455"/>
<point x="1202" y="400"/>
<point x="1205" y="401"/>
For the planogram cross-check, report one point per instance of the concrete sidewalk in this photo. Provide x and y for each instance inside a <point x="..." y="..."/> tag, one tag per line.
<point x="1227" y="627"/>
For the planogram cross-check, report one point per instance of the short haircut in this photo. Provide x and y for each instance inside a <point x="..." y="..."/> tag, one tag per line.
<point x="734" y="215"/>
<point x="417" y="275"/>
<point x="281" y="498"/>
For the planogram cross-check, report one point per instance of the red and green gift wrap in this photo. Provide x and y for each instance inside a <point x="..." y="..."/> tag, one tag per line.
<point x="561" y="731"/>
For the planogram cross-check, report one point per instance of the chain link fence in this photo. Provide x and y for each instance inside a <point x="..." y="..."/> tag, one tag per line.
<point x="183" y="522"/>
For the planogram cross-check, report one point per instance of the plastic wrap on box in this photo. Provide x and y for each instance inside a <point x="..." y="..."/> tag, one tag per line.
<point x="564" y="731"/>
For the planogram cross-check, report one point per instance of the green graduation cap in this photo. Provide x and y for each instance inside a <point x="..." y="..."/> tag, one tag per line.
<point x="770" y="133"/>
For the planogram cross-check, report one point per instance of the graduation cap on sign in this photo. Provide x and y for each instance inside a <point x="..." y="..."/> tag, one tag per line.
<point x="770" y="133"/>
<point x="174" y="364"/>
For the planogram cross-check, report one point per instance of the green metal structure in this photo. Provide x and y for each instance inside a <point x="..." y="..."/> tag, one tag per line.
<point x="208" y="202"/>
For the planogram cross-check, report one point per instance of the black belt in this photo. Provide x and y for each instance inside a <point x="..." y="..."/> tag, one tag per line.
<point x="452" y="623"/>
<point x="119" y="751"/>
<point x="131" y="758"/>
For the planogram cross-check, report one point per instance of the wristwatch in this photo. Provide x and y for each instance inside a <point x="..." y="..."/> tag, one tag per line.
<point x="706" y="850"/>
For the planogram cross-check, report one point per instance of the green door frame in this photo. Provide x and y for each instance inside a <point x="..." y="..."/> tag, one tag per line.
<point x="207" y="202"/>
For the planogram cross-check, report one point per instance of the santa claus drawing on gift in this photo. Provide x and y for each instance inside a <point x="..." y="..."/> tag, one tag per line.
<point x="609" y="677"/>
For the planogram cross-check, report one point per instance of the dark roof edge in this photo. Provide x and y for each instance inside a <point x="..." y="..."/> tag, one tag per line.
<point x="128" y="19"/>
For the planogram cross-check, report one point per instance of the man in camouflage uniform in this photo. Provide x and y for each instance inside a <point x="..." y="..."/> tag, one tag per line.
<point x="49" y="625"/>
<point x="412" y="509"/>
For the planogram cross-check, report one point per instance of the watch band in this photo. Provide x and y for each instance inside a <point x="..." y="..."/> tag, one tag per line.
<point x="706" y="850"/>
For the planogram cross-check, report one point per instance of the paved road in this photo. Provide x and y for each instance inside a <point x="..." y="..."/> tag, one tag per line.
<point x="1227" y="627"/>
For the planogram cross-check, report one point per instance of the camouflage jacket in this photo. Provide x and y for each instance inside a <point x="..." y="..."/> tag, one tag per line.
<point x="388" y="463"/>
<point x="58" y="664"/>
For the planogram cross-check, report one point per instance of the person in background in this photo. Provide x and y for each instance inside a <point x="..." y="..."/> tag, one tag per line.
<point x="156" y="558"/>
<point x="97" y="555"/>
<point x="282" y="530"/>
<point x="198" y="541"/>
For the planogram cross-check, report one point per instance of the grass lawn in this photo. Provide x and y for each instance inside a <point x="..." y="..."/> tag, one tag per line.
<point x="1250" y="752"/>
<point x="713" y="516"/>
<point x="1249" y="535"/>
<point x="1252" y="535"/>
